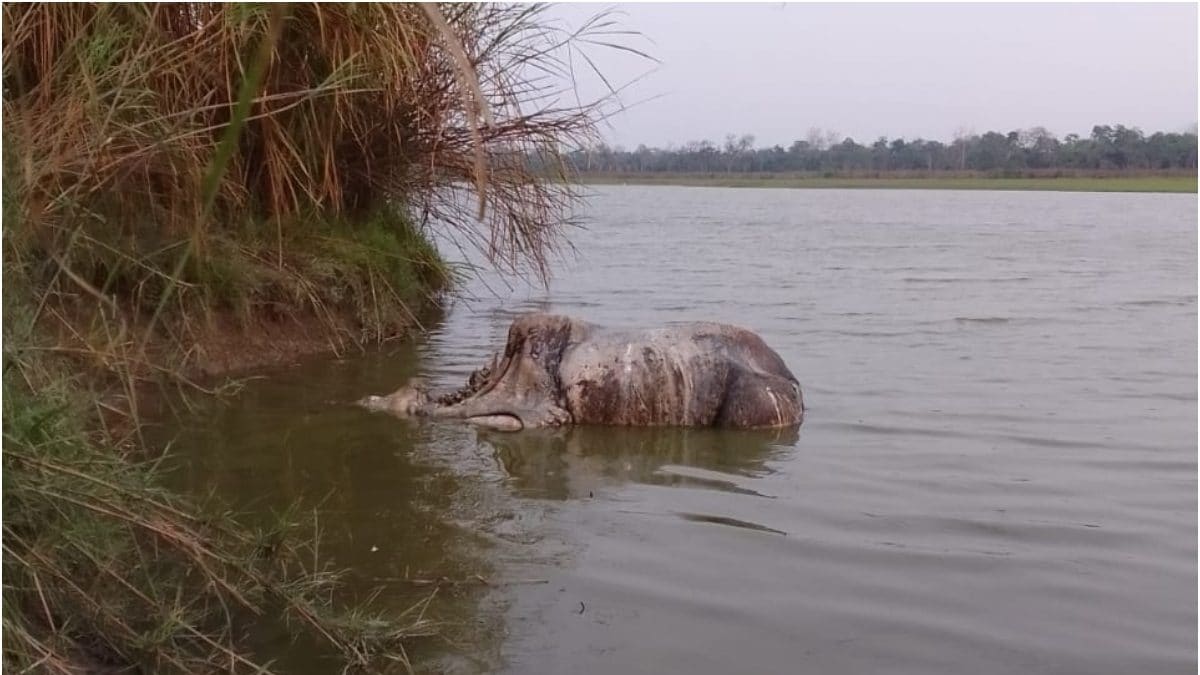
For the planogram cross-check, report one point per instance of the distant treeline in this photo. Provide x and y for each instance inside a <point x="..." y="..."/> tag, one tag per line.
<point x="1119" y="148"/>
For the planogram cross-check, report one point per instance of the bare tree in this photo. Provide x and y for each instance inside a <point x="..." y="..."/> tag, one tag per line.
<point x="962" y="137"/>
<point x="816" y="138"/>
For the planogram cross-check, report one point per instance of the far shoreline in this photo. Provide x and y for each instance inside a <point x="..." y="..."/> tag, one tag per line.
<point x="1170" y="183"/>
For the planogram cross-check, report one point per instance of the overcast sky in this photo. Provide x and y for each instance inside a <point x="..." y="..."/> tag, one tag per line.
<point x="864" y="70"/>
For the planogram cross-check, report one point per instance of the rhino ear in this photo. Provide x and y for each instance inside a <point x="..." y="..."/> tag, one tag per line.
<point x="417" y="384"/>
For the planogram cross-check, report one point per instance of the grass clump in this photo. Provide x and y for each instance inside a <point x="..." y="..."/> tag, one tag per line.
<point x="361" y="283"/>
<point x="180" y="178"/>
<point x="164" y="157"/>
<point x="115" y="115"/>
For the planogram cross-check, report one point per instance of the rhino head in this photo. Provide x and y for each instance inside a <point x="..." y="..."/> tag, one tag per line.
<point x="520" y="388"/>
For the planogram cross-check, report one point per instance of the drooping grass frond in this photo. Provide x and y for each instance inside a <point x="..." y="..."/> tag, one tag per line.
<point x="115" y="112"/>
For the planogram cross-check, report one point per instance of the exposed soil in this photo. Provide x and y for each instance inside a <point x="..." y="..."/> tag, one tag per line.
<point x="228" y="346"/>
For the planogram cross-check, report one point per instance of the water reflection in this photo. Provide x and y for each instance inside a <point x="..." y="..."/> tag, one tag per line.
<point x="575" y="462"/>
<point x="387" y="495"/>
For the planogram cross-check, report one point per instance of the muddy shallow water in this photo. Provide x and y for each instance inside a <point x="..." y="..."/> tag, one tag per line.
<point x="996" y="474"/>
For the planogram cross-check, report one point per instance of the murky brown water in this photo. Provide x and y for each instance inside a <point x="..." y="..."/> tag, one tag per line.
<point x="997" y="472"/>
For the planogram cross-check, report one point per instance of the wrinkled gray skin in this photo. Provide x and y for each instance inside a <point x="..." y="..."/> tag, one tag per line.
<point x="556" y="370"/>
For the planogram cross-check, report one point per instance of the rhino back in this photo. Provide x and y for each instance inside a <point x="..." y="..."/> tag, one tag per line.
<point x="666" y="377"/>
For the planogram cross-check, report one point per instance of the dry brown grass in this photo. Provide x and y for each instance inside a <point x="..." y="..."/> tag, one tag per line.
<point x="168" y="165"/>
<point x="114" y="117"/>
<point x="118" y="110"/>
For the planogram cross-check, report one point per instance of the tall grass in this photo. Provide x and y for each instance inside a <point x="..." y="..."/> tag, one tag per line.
<point x="113" y="117"/>
<point x="172" y="170"/>
<point x="116" y="111"/>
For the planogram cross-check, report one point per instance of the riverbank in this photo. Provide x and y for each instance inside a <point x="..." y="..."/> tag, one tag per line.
<point x="191" y="190"/>
<point x="1163" y="183"/>
<point x="104" y="565"/>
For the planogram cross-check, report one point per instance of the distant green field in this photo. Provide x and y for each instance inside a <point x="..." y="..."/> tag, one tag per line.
<point x="1062" y="184"/>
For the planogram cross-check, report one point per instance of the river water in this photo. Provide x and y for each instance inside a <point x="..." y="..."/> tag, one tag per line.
<point x="996" y="474"/>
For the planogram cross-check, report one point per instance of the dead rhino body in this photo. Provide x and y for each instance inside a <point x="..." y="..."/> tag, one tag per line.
<point x="556" y="370"/>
